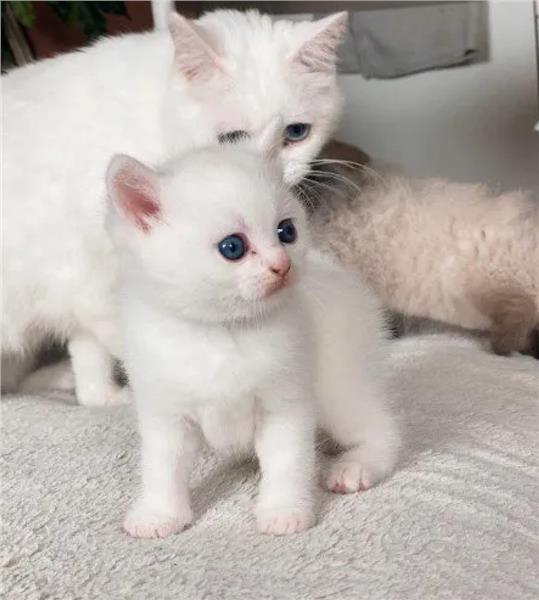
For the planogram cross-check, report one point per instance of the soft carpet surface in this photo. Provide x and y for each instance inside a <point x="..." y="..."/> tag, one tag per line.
<point x="457" y="520"/>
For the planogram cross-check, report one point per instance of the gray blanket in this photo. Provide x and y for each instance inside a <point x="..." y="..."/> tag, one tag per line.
<point x="458" y="520"/>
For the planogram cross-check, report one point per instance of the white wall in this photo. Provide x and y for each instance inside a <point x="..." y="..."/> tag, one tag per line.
<point x="471" y="123"/>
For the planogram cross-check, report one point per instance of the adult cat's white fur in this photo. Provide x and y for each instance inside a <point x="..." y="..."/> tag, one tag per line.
<point x="448" y="251"/>
<point x="149" y="95"/>
<point x="244" y="352"/>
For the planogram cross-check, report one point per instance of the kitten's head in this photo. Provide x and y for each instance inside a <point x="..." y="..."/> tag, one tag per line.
<point x="215" y="236"/>
<point x="240" y="70"/>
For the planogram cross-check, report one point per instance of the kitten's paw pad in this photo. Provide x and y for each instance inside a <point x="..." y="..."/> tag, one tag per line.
<point x="284" y="520"/>
<point x="348" y="477"/>
<point x="111" y="396"/>
<point x="144" y="522"/>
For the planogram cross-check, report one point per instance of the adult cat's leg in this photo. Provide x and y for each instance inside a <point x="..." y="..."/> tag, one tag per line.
<point x="57" y="376"/>
<point x="284" y="443"/>
<point x="15" y="367"/>
<point x="93" y="368"/>
<point x="169" y="448"/>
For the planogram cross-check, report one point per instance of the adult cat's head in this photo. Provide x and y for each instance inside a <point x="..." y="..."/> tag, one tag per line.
<point x="236" y="71"/>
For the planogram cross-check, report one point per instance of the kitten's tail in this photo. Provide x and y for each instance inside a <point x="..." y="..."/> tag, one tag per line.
<point x="161" y="9"/>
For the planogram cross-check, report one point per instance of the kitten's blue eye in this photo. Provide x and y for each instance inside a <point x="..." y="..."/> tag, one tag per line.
<point x="232" y="247"/>
<point x="287" y="232"/>
<point x="296" y="132"/>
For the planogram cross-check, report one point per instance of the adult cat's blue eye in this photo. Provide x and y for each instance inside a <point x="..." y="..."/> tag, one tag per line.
<point x="232" y="247"/>
<point x="296" y="132"/>
<point x="286" y="231"/>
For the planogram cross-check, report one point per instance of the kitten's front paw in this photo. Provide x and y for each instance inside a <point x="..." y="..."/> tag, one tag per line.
<point x="142" y="521"/>
<point x="110" y="396"/>
<point x="348" y="477"/>
<point x="284" y="520"/>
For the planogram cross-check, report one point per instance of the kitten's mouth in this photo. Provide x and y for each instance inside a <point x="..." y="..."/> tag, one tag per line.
<point x="274" y="286"/>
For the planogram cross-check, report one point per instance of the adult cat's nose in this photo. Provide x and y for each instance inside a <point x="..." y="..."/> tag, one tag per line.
<point x="281" y="267"/>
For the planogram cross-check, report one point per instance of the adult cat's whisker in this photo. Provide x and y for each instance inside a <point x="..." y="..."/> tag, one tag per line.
<point x="331" y="175"/>
<point x="335" y="177"/>
<point x="308" y="196"/>
<point x="351" y="165"/>
<point x="304" y="196"/>
<point x="334" y="190"/>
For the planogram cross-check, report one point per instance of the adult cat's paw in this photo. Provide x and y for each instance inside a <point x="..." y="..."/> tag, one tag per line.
<point x="143" y="521"/>
<point x="284" y="520"/>
<point x="348" y="477"/>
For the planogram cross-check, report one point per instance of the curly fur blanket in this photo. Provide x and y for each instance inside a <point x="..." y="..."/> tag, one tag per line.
<point x="458" y="520"/>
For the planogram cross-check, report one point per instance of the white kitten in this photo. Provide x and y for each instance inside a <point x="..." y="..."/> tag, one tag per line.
<point x="232" y="333"/>
<point x="150" y="95"/>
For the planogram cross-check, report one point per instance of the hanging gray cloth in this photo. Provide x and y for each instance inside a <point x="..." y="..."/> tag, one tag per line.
<point x="391" y="42"/>
<point x="401" y="38"/>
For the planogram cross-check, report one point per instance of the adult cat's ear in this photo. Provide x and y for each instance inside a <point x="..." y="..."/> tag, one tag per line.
<point x="318" y="53"/>
<point x="134" y="192"/>
<point x="193" y="54"/>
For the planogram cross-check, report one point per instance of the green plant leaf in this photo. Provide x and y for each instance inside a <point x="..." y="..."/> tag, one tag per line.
<point x="92" y="20"/>
<point x="24" y="12"/>
<point x="64" y="10"/>
<point x="113" y="8"/>
<point x="90" y="15"/>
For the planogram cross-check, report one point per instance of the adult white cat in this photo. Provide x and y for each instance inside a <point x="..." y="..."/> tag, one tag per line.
<point x="149" y="95"/>
<point x="234" y="333"/>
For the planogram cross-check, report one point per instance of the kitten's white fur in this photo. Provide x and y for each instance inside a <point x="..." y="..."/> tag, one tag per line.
<point x="150" y="95"/>
<point x="214" y="349"/>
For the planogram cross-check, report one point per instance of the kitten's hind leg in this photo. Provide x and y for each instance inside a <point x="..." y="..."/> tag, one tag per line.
<point x="358" y="420"/>
<point x="93" y="368"/>
<point x="351" y="352"/>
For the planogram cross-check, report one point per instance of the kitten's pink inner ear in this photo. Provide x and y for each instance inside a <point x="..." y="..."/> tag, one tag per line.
<point x="319" y="52"/>
<point x="194" y="55"/>
<point x="139" y="208"/>
<point x="135" y="194"/>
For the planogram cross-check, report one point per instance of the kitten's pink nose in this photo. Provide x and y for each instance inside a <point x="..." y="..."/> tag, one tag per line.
<point x="281" y="266"/>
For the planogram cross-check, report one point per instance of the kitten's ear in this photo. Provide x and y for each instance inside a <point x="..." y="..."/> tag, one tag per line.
<point x="134" y="192"/>
<point x="193" y="54"/>
<point x="318" y="53"/>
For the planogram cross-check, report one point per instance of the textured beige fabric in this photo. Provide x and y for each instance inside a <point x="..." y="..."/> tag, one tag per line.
<point x="458" y="520"/>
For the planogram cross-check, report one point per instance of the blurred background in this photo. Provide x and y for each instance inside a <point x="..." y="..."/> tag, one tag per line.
<point x="438" y="88"/>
